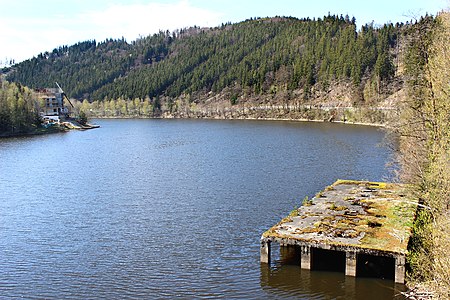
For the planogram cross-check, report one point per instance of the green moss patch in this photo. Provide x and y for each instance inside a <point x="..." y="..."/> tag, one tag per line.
<point x="362" y="214"/>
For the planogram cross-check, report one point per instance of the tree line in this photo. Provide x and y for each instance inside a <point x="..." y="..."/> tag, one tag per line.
<point x="19" y="112"/>
<point x="257" y="56"/>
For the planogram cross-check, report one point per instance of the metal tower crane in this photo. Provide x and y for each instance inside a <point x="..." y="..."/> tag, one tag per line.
<point x="64" y="94"/>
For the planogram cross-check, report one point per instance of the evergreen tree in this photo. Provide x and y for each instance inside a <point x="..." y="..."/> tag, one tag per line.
<point x="263" y="56"/>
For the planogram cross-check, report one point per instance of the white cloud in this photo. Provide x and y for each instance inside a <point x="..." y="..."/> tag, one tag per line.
<point x="27" y="37"/>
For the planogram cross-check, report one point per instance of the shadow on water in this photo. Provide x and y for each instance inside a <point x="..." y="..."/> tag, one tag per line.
<point x="284" y="278"/>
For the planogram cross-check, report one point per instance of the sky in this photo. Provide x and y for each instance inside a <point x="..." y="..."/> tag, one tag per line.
<point x="30" y="27"/>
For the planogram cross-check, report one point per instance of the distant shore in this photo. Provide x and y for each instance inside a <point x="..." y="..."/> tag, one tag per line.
<point x="249" y="118"/>
<point x="51" y="130"/>
<point x="367" y="116"/>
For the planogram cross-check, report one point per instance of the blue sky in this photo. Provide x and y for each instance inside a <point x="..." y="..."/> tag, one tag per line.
<point x="29" y="27"/>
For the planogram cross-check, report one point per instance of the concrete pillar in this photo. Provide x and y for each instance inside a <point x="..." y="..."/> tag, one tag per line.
<point x="265" y="251"/>
<point x="350" y="263"/>
<point x="305" y="257"/>
<point x="400" y="269"/>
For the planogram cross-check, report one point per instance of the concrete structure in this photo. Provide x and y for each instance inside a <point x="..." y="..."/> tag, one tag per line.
<point x="365" y="224"/>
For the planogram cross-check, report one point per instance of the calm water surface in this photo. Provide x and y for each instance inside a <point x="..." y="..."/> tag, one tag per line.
<point x="172" y="208"/>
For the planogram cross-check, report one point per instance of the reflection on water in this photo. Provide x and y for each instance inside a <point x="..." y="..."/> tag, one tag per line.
<point x="171" y="208"/>
<point x="284" y="278"/>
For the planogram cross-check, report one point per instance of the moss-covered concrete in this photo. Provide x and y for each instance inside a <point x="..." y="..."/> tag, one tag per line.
<point x="358" y="215"/>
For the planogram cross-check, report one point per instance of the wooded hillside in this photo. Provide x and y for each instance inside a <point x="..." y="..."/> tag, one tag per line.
<point x="251" y="58"/>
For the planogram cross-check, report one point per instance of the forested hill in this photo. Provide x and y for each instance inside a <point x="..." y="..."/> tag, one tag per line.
<point x="254" y="57"/>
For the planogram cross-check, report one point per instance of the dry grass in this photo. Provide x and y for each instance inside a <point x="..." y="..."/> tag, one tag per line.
<point x="424" y="158"/>
<point x="441" y="253"/>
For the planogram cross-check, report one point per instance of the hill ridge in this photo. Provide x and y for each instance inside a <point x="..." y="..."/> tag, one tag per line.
<point x="261" y="56"/>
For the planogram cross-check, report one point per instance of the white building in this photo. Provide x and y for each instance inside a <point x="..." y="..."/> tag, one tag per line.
<point x="52" y="105"/>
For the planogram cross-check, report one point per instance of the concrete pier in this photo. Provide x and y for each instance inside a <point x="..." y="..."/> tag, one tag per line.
<point x="305" y="262"/>
<point x="265" y="251"/>
<point x="350" y="263"/>
<point x="365" y="220"/>
<point x="400" y="268"/>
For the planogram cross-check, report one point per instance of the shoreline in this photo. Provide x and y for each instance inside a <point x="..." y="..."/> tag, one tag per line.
<point x="62" y="130"/>
<point x="249" y="119"/>
<point x="31" y="133"/>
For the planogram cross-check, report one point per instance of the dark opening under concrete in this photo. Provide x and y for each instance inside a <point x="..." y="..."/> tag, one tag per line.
<point x="375" y="266"/>
<point x="290" y="255"/>
<point x="328" y="260"/>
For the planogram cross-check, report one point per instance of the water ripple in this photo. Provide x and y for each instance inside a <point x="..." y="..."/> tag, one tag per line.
<point x="168" y="209"/>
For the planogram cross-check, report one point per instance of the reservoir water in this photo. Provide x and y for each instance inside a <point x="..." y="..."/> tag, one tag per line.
<point x="161" y="209"/>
